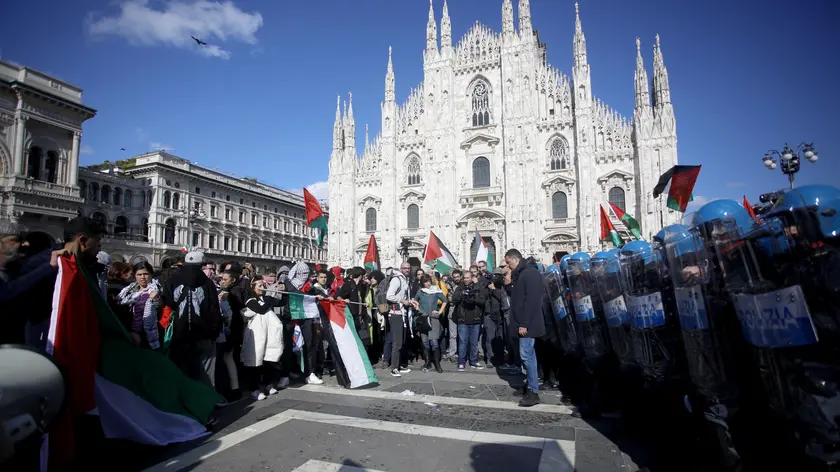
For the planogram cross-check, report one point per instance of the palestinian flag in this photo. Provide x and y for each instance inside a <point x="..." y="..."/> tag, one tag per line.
<point x="138" y="394"/>
<point x="353" y="369"/>
<point x="682" y="179"/>
<point x="483" y="253"/>
<point x="371" y="261"/>
<point x="438" y="256"/>
<point x="608" y="230"/>
<point x="303" y="307"/>
<point x="749" y="208"/>
<point x="628" y="221"/>
<point x="315" y="216"/>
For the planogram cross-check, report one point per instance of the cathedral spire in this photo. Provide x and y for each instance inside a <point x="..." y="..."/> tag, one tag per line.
<point x="350" y="128"/>
<point x="337" y="141"/>
<point x="390" y="94"/>
<point x="445" y="28"/>
<point x="350" y="110"/>
<point x="367" y="141"/>
<point x="507" y="19"/>
<point x="431" y="30"/>
<point x="661" y="89"/>
<point x="641" y="80"/>
<point x="580" y="40"/>
<point x="525" y="29"/>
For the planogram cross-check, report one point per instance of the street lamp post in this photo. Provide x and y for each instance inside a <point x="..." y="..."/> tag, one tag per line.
<point x="790" y="159"/>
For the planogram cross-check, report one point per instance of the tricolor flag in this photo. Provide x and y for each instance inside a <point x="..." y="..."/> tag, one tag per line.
<point x="627" y="220"/>
<point x="608" y="230"/>
<point x="138" y="393"/>
<point x="749" y="208"/>
<point x="682" y="179"/>
<point x="438" y="256"/>
<point x="353" y="369"/>
<point x="483" y="253"/>
<point x="315" y="216"/>
<point x="302" y="306"/>
<point x="371" y="261"/>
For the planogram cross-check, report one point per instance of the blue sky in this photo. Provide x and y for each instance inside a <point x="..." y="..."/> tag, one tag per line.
<point x="746" y="76"/>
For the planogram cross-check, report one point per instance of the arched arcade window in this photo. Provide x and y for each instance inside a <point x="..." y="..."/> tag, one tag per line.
<point x="105" y="194"/>
<point x="176" y="201"/>
<point x="121" y="225"/>
<point x="127" y="198"/>
<point x="481" y="172"/>
<point x="559" y="206"/>
<point x="167" y="199"/>
<point x="33" y="163"/>
<point x="413" y="216"/>
<point x="100" y="218"/>
<point x="51" y="167"/>
<point x="370" y="220"/>
<point x="480" y="104"/>
<point x="169" y="232"/>
<point x="616" y="197"/>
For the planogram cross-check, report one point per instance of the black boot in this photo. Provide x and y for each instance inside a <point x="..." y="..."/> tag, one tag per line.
<point x="428" y="355"/>
<point x="529" y="399"/>
<point x="436" y="360"/>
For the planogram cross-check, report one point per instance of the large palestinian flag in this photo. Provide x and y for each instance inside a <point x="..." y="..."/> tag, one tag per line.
<point x="371" y="261"/>
<point x="315" y="216"/>
<point x="682" y="180"/>
<point x="353" y="369"/>
<point x="138" y="394"/>
<point x="438" y="256"/>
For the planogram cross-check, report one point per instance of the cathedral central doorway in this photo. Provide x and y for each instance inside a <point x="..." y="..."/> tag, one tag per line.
<point x="491" y="247"/>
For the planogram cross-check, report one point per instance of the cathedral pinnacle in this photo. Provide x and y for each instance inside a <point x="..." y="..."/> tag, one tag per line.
<point x="337" y="131"/>
<point x="390" y="94"/>
<point x="507" y="19"/>
<point x="431" y="30"/>
<point x="580" y="40"/>
<point x="445" y="28"/>
<point x="350" y="110"/>
<point x="641" y="79"/>
<point x="661" y="89"/>
<point x="367" y="141"/>
<point x="525" y="29"/>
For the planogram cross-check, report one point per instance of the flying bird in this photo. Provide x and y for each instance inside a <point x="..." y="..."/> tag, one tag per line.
<point x="198" y="41"/>
<point x="122" y="149"/>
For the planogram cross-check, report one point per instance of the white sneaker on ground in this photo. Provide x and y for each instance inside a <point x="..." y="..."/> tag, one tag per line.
<point x="272" y="391"/>
<point x="396" y="373"/>
<point x="257" y="395"/>
<point x="283" y="383"/>
<point x="404" y="370"/>
<point x="313" y="379"/>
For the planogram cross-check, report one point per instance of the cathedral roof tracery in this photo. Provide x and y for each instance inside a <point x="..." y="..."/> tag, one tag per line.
<point x="480" y="46"/>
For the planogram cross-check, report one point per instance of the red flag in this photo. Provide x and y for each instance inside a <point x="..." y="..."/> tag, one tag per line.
<point x="371" y="261"/>
<point x="683" y="179"/>
<point x="313" y="208"/>
<point x="749" y="208"/>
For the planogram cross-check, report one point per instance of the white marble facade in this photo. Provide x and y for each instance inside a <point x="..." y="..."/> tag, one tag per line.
<point x="497" y="140"/>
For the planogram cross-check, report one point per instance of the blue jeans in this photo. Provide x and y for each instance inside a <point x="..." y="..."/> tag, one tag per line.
<point x="468" y="333"/>
<point x="529" y="360"/>
<point x="428" y="342"/>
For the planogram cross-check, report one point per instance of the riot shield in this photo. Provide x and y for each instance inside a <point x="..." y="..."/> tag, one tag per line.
<point x="606" y="271"/>
<point x="783" y="281"/>
<point x="565" y="324"/>
<point x="586" y="303"/>
<point x="654" y="328"/>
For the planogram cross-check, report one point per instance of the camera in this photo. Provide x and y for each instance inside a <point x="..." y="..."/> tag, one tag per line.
<point x="468" y="291"/>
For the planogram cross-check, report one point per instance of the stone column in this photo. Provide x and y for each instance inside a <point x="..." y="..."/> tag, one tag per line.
<point x="20" y="135"/>
<point x="73" y="163"/>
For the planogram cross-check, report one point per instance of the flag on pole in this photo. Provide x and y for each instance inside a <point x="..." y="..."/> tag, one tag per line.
<point x="371" y="261"/>
<point x="682" y="179"/>
<point x="350" y="358"/>
<point x="483" y="253"/>
<point x="749" y="208"/>
<point x="438" y="256"/>
<point x="139" y="394"/>
<point x="315" y="216"/>
<point x="628" y="221"/>
<point x="303" y="307"/>
<point x="608" y="230"/>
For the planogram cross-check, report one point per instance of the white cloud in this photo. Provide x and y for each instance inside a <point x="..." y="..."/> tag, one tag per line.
<point x="698" y="202"/>
<point x="141" y="24"/>
<point x="86" y="150"/>
<point x="735" y="184"/>
<point x="319" y="190"/>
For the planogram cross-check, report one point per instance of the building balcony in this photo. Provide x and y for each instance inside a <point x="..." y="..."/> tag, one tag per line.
<point x="492" y="196"/>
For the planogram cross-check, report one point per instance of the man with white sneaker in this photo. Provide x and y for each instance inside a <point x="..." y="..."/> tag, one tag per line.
<point x="398" y="301"/>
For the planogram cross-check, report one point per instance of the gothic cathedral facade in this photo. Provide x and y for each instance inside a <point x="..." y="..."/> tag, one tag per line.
<point x="497" y="141"/>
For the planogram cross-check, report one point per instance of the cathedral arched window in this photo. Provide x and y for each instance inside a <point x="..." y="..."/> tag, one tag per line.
<point x="616" y="197"/>
<point x="480" y="104"/>
<point x="559" y="206"/>
<point x="558" y="154"/>
<point x="412" y="171"/>
<point x="370" y="220"/>
<point x="481" y="172"/>
<point x="413" y="216"/>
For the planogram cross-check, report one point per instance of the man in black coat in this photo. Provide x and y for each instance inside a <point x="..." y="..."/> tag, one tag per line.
<point x="526" y="295"/>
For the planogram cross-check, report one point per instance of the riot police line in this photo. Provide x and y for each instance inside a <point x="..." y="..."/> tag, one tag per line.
<point x="719" y="339"/>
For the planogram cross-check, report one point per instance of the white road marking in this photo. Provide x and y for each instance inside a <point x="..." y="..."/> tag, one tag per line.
<point x="383" y="395"/>
<point x="321" y="466"/>
<point x="557" y="455"/>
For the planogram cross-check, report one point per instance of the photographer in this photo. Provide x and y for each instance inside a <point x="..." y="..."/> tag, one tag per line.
<point x="497" y="304"/>
<point x="469" y="300"/>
